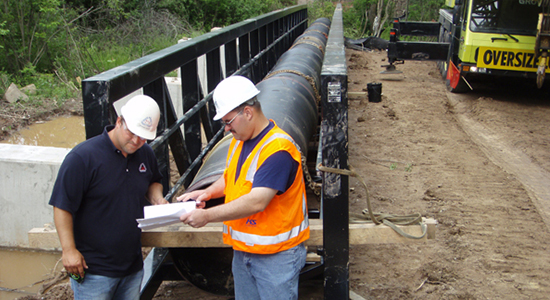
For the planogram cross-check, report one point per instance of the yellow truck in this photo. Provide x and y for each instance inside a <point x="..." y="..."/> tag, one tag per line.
<point x="479" y="38"/>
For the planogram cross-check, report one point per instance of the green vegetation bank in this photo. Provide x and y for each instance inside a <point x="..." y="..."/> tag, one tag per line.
<point x="54" y="44"/>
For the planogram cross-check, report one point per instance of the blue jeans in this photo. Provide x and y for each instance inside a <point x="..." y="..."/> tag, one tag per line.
<point x="97" y="287"/>
<point x="268" y="276"/>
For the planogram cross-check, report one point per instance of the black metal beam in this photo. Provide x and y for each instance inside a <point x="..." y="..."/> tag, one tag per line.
<point x="334" y="139"/>
<point x="159" y="91"/>
<point x="417" y="51"/>
<point x="262" y="42"/>
<point x="98" y="110"/>
<point x="213" y="75"/>
<point x="417" y="28"/>
<point x="231" y="61"/>
<point x="190" y="89"/>
<point x="244" y="50"/>
<point x="157" y="267"/>
<point x="254" y="50"/>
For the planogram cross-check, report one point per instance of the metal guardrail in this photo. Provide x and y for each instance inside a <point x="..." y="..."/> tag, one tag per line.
<point x="334" y="154"/>
<point x="251" y="48"/>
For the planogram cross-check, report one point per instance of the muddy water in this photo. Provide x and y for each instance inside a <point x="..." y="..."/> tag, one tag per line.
<point x="63" y="132"/>
<point x="23" y="272"/>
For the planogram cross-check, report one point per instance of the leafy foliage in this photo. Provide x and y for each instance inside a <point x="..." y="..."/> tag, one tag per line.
<point x="55" y="43"/>
<point x="320" y="9"/>
<point x="359" y="17"/>
<point x="29" y="27"/>
<point x="81" y="38"/>
<point x="425" y="10"/>
<point x="206" y="14"/>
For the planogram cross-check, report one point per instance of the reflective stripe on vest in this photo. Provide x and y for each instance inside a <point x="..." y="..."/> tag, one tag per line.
<point x="232" y="153"/>
<point x="254" y="163"/>
<point x="254" y="239"/>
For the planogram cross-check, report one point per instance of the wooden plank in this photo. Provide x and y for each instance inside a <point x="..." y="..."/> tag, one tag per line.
<point x="357" y="94"/>
<point x="180" y="235"/>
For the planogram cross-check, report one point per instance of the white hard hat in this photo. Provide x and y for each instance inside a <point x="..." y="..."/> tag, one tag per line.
<point x="141" y="114"/>
<point x="232" y="92"/>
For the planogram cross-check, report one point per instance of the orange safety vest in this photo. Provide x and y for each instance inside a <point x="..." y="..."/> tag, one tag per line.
<point x="284" y="222"/>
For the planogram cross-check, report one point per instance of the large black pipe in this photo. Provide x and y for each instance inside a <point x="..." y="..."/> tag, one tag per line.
<point x="289" y="96"/>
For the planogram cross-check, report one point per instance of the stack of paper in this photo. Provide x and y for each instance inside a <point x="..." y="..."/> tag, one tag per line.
<point x="162" y="215"/>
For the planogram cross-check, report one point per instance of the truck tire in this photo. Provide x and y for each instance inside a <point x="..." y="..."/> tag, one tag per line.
<point x="443" y="66"/>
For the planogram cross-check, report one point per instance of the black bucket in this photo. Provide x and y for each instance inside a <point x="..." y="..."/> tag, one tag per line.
<point x="375" y="91"/>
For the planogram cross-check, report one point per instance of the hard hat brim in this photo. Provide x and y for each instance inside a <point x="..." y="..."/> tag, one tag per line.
<point x="144" y="134"/>
<point x="222" y="113"/>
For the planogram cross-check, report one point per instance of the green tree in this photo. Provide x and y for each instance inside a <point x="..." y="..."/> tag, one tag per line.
<point x="320" y="9"/>
<point x="206" y="14"/>
<point x="3" y="31"/>
<point x="364" y="16"/>
<point x="43" y="41"/>
<point x="30" y="27"/>
<point x="425" y="10"/>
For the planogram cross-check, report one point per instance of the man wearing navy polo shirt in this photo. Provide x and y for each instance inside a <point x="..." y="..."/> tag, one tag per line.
<point x="100" y="191"/>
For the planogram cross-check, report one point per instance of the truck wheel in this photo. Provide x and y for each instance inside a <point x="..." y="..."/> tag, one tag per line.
<point x="442" y="66"/>
<point x="443" y="38"/>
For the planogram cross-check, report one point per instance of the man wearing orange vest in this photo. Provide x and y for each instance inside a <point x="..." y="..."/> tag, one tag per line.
<point x="265" y="211"/>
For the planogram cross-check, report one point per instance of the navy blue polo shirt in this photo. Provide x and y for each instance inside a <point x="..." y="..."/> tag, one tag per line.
<point x="277" y="172"/>
<point x="105" y="193"/>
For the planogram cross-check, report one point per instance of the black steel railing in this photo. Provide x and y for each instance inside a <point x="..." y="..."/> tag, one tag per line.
<point x="251" y="48"/>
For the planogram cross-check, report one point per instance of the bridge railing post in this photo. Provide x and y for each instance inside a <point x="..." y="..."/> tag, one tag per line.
<point x="334" y="139"/>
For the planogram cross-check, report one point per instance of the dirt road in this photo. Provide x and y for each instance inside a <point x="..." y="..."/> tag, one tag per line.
<point x="480" y="166"/>
<point x="478" y="163"/>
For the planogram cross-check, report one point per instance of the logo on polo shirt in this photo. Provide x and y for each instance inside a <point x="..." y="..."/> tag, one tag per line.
<point x="142" y="168"/>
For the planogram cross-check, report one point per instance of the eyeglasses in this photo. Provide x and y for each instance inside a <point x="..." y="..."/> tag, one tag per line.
<point x="131" y="133"/>
<point x="224" y="123"/>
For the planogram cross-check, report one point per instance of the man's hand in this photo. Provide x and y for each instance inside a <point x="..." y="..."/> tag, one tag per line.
<point x="74" y="262"/>
<point x="198" y="195"/>
<point x="214" y="191"/>
<point x="154" y="194"/>
<point x="196" y="218"/>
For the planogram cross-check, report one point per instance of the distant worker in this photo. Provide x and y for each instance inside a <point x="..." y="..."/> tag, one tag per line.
<point x="265" y="211"/>
<point x="100" y="191"/>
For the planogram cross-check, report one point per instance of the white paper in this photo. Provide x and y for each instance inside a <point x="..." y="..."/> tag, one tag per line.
<point x="165" y="214"/>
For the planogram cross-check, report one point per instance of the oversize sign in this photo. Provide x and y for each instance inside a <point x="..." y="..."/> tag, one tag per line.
<point x="508" y="59"/>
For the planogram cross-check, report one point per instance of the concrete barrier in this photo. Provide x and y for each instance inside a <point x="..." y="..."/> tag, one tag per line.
<point x="26" y="183"/>
<point x="27" y="179"/>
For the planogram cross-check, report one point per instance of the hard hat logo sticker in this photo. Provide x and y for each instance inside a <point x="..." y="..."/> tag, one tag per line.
<point x="147" y="122"/>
